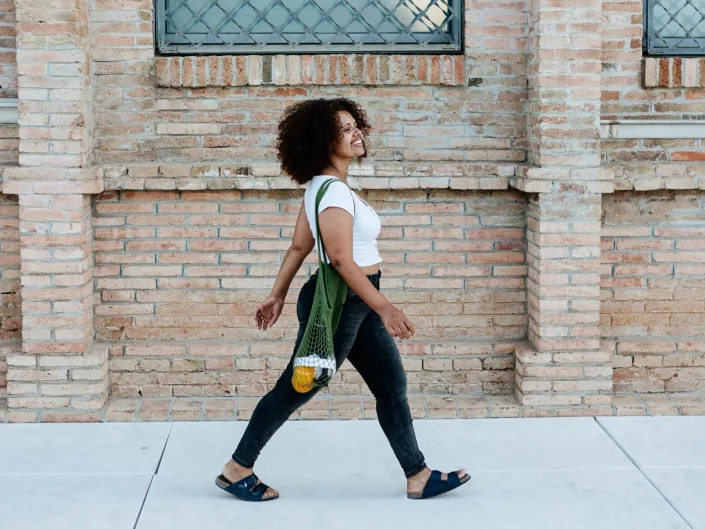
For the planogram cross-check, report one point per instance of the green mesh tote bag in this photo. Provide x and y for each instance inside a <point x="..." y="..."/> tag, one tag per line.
<point x="314" y="360"/>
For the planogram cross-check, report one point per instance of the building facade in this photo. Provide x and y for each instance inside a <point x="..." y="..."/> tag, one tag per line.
<point x="540" y="181"/>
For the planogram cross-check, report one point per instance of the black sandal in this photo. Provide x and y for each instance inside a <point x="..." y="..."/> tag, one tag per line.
<point x="245" y="489"/>
<point x="435" y="485"/>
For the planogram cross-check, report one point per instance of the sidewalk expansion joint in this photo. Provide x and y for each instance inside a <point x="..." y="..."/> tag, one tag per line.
<point x="636" y="465"/>
<point x="151" y="480"/>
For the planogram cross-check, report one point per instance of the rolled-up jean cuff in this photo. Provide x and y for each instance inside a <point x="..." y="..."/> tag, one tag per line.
<point x="412" y="473"/>
<point x="240" y="462"/>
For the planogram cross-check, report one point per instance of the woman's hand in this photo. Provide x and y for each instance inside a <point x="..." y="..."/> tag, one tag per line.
<point x="396" y="323"/>
<point x="268" y="312"/>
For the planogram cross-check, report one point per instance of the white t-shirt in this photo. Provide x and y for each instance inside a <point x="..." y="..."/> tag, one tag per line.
<point x="366" y="223"/>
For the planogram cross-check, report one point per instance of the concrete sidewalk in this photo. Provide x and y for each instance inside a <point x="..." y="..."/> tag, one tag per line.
<point x="545" y="473"/>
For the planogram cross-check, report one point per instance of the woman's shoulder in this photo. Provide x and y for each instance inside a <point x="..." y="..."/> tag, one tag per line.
<point x="316" y="182"/>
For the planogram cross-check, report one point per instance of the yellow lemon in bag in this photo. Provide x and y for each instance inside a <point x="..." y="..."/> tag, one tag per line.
<point x="303" y="378"/>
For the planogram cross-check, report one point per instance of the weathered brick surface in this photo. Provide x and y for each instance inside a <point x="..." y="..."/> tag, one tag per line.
<point x="562" y="363"/>
<point x="648" y="164"/>
<point x="674" y="72"/>
<point x="179" y="275"/>
<point x="563" y="80"/>
<point x="479" y="119"/>
<point x="56" y="240"/>
<point x="152" y="217"/>
<point x="9" y="146"/>
<point x="645" y="176"/>
<point x="58" y="374"/>
<point x="625" y="72"/>
<point x="10" y="305"/>
<point x="561" y="366"/>
<point x="653" y="306"/>
<point x="54" y="84"/>
<point x="637" y="87"/>
<point x="296" y="70"/>
<point x="326" y="406"/>
<point x="8" y="62"/>
<point x="58" y="387"/>
<point x="322" y="406"/>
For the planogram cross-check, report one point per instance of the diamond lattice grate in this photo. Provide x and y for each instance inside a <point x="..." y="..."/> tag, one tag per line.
<point x="675" y="27"/>
<point x="308" y="26"/>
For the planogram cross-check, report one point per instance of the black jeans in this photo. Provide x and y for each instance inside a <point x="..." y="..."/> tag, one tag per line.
<point x="361" y="338"/>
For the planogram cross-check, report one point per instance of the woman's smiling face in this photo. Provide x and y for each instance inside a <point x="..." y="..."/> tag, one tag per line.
<point x="350" y="143"/>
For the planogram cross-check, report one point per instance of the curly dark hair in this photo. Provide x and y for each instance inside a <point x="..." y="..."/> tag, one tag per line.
<point x="309" y="130"/>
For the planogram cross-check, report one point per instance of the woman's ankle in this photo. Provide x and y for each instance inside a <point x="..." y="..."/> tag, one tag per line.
<point x="422" y="474"/>
<point x="236" y="467"/>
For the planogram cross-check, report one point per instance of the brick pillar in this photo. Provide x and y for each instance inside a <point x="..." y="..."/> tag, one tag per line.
<point x="59" y="375"/>
<point x="561" y="369"/>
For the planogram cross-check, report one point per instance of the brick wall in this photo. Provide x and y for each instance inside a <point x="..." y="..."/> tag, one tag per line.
<point x="10" y="303"/>
<point x="9" y="141"/>
<point x="641" y="158"/>
<point x="179" y="276"/>
<point x="653" y="290"/>
<point x="153" y="217"/>
<point x="625" y="95"/>
<point x="138" y="121"/>
<point x="9" y="145"/>
<point x="8" y="64"/>
<point x="10" y="320"/>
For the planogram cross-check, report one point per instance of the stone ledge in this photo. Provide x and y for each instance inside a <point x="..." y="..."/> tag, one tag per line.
<point x="530" y="179"/>
<point x="19" y="180"/>
<point x="49" y="187"/>
<point x="553" y="186"/>
<point x="382" y="175"/>
<point x="652" y="129"/>
<point x="267" y="176"/>
<point x="297" y="70"/>
<point x="674" y="72"/>
<point x="8" y="111"/>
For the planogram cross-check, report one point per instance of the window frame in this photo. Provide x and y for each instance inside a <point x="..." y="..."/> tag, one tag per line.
<point x="162" y="47"/>
<point x="647" y="43"/>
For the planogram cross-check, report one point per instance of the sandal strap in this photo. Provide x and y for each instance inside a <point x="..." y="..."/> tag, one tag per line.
<point x="454" y="478"/>
<point x="259" y="490"/>
<point x="436" y="485"/>
<point x="244" y="485"/>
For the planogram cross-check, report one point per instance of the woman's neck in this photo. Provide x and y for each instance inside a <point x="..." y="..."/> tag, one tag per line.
<point x="338" y="168"/>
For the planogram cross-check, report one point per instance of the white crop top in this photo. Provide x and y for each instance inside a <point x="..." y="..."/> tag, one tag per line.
<point x="366" y="223"/>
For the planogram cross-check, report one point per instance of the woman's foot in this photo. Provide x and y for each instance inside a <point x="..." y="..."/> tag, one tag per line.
<point x="235" y="472"/>
<point x="416" y="483"/>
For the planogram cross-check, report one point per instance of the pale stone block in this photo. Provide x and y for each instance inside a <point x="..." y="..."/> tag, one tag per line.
<point x="651" y="72"/>
<point x="21" y="360"/>
<point x="294" y="69"/>
<point x="690" y="72"/>
<point x="254" y="70"/>
<point x="648" y="184"/>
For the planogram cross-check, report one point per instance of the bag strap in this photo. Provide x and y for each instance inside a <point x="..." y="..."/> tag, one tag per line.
<point x="319" y="196"/>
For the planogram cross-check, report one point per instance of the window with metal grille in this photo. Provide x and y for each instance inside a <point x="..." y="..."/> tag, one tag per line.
<point x="309" y="26"/>
<point x="674" y="27"/>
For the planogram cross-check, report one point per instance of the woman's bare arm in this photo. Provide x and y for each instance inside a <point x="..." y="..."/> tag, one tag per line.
<point x="301" y="245"/>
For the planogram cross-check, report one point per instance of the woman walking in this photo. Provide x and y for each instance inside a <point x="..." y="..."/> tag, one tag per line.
<point x="317" y="141"/>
